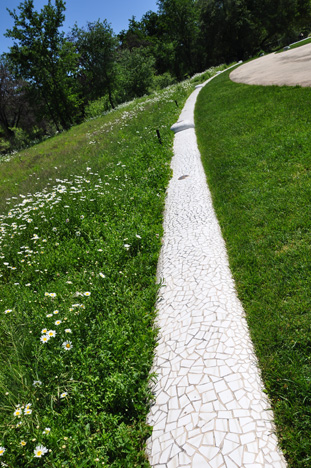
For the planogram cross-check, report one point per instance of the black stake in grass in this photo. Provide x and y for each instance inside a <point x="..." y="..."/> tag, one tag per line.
<point x="159" y="137"/>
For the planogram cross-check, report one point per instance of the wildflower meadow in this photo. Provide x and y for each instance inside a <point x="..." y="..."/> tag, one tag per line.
<point x="78" y="257"/>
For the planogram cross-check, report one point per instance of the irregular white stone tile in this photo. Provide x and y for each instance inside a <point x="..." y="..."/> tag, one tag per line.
<point x="237" y="456"/>
<point x="221" y="425"/>
<point x="230" y="463"/>
<point x="173" y="463"/>
<point x="252" y="465"/>
<point x="189" y="449"/>
<point x="184" y="460"/>
<point x="165" y="455"/>
<point x="249" y="458"/>
<point x="200" y="462"/>
<point x="195" y="441"/>
<point x="181" y="439"/>
<point x="229" y="446"/>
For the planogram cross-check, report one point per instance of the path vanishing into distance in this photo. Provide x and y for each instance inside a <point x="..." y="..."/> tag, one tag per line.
<point x="210" y="409"/>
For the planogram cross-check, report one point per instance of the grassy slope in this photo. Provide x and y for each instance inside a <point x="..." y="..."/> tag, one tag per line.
<point x="297" y="44"/>
<point x="80" y="233"/>
<point x="91" y="223"/>
<point x="255" y="143"/>
<point x="69" y="153"/>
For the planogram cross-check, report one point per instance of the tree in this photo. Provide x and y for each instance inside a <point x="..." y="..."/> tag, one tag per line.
<point x="179" y="20"/>
<point x="136" y="72"/>
<point x="135" y="36"/>
<point x="283" y="19"/>
<point x="229" y="30"/>
<point x="237" y="29"/>
<point x="12" y="101"/>
<point x="20" y="110"/>
<point x="97" y="49"/>
<point x="41" y="56"/>
<point x="149" y="34"/>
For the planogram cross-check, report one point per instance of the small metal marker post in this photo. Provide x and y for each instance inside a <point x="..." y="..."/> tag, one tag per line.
<point x="159" y="136"/>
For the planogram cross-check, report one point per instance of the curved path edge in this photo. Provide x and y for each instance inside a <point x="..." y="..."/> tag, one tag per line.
<point x="210" y="410"/>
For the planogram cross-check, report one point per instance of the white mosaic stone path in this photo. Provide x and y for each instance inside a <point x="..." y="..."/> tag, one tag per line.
<point x="210" y="410"/>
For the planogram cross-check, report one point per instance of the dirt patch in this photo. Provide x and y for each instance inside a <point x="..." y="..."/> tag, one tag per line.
<point x="289" y="68"/>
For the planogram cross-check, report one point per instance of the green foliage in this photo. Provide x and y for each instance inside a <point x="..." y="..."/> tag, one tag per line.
<point x="136" y="71"/>
<point x="237" y="30"/>
<point x="41" y="56"/>
<point x="22" y="139"/>
<point x="96" y="46"/>
<point x="4" y="145"/>
<point x="179" y="20"/>
<point x="97" y="108"/>
<point x="162" y="81"/>
<point x="255" y="144"/>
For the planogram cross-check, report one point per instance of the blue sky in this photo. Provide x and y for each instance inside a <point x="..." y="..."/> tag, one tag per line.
<point x="116" y="12"/>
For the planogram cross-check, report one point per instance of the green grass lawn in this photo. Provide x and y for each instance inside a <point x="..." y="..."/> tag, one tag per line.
<point x="255" y="143"/>
<point x="295" y="45"/>
<point x="300" y="43"/>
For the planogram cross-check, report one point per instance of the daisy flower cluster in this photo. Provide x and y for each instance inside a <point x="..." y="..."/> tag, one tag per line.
<point x="23" y="410"/>
<point x="21" y="221"/>
<point x="38" y="225"/>
<point x="57" y="323"/>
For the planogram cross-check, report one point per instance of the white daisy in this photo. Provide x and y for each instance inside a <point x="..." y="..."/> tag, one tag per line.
<point x="2" y="450"/>
<point x="44" y="338"/>
<point x="63" y="395"/>
<point x="51" y="333"/>
<point x="67" y="345"/>
<point x="39" y="451"/>
<point x="87" y="293"/>
<point x="18" y="412"/>
<point x="37" y="383"/>
<point x="58" y="322"/>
